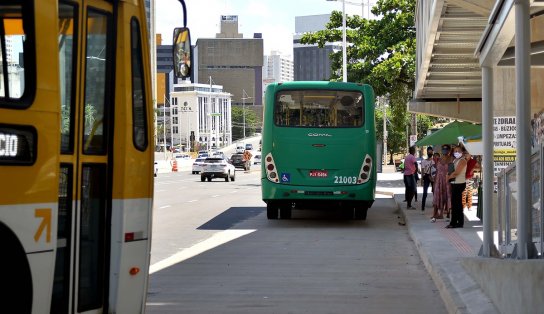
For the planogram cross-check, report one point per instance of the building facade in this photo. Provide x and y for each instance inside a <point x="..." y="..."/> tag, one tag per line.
<point x="201" y="116"/>
<point x="276" y="68"/>
<point x="310" y="62"/>
<point x="231" y="61"/>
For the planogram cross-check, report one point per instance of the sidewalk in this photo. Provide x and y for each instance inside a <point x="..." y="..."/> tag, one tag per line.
<point x="441" y="250"/>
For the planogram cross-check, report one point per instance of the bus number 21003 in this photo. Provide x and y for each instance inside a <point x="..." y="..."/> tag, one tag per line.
<point x="345" y="180"/>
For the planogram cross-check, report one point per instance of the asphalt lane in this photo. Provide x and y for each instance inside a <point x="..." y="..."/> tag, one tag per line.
<point x="214" y="251"/>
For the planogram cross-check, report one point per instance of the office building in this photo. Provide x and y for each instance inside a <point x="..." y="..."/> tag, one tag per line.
<point x="312" y="63"/>
<point x="276" y="68"/>
<point x="201" y="116"/>
<point x="231" y="61"/>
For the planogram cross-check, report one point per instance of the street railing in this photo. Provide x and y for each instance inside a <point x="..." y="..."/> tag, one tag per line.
<point x="507" y="205"/>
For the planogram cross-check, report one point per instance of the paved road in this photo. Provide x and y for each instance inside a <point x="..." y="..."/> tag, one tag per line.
<point x="214" y="251"/>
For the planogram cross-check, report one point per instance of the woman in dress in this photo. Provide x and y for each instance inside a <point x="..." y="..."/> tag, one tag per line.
<point x="442" y="188"/>
<point x="458" y="184"/>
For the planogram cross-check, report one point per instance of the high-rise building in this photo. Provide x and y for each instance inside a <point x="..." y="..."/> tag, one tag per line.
<point x="231" y="61"/>
<point x="312" y="63"/>
<point x="276" y="68"/>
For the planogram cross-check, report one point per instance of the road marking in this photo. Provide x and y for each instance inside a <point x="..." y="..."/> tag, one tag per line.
<point x="192" y="201"/>
<point x="215" y="240"/>
<point x="216" y="195"/>
<point x="165" y="206"/>
<point x="233" y="192"/>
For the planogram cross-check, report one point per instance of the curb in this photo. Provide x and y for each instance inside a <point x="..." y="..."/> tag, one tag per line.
<point x="459" y="292"/>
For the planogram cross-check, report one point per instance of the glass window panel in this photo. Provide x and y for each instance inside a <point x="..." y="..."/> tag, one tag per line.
<point x="97" y="76"/>
<point x="14" y="48"/>
<point x="319" y="109"/>
<point x="92" y="255"/>
<point x="61" y="283"/>
<point x="67" y="50"/>
<point x="138" y="89"/>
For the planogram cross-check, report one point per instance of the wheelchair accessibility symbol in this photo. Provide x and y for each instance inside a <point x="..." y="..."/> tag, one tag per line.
<point x="285" y="177"/>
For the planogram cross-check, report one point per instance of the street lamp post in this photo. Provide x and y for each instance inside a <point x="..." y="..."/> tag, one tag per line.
<point x="244" y="97"/>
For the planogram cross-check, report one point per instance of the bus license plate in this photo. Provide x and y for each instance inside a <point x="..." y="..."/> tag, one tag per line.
<point x="319" y="173"/>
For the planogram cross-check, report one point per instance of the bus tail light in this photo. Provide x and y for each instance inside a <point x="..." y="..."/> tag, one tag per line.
<point x="366" y="168"/>
<point x="271" y="171"/>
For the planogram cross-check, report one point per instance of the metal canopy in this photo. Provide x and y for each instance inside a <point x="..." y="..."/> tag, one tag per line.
<point x="453" y="72"/>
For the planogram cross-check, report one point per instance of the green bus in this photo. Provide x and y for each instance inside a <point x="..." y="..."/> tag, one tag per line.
<point x="318" y="148"/>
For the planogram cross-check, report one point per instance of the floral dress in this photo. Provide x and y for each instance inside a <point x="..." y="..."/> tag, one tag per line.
<point x="442" y="188"/>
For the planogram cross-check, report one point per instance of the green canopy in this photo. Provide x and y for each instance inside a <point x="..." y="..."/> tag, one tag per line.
<point x="450" y="133"/>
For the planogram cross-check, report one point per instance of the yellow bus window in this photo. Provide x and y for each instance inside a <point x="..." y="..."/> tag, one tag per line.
<point x="14" y="48"/>
<point x="67" y="51"/>
<point x="97" y="83"/>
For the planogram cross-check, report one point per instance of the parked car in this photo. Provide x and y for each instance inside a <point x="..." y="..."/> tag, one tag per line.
<point x="257" y="159"/>
<point x="217" y="168"/>
<point x="240" y="149"/>
<point x="197" y="165"/>
<point x="238" y="161"/>
<point x="183" y="156"/>
<point x="156" y="166"/>
<point x="203" y="155"/>
<point x="249" y="146"/>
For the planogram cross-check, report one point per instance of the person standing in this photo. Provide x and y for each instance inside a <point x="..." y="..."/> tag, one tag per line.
<point x="409" y="179"/>
<point x="426" y="178"/>
<point x="457" y="187"/>
<point x="442" y="189"/>
<point x="472" y="164"/>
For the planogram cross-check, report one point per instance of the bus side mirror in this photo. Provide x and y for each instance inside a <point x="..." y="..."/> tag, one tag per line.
<point x="183" y="57"/>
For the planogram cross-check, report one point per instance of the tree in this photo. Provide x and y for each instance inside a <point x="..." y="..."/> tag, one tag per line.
<point x="381" y="53"/>
<point x="238" y="122"/>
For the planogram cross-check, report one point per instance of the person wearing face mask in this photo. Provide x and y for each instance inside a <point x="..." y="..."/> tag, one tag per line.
<point x="426" y="178"/>
<point x="409" y="179"/>
<point x="457" y="187"/>
<point x="442" y="189"/>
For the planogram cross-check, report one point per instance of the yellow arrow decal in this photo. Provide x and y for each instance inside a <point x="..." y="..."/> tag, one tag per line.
<point x="44" y="213"/>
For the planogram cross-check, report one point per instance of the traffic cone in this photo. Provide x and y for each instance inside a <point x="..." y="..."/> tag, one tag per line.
<point x="175" y="166"/>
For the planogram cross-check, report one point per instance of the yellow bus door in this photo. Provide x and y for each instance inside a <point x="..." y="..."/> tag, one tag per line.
<point x="86" y="62"/>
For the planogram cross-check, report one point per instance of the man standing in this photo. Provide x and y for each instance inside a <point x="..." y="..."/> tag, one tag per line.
<point x="409" y="179"/>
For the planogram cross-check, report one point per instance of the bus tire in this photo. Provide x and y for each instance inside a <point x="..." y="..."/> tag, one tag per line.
<point x="271" y="211"/>
<point x="285" y="211"/>
<point x="16" y="285"/>
<point x="360" y="212"/>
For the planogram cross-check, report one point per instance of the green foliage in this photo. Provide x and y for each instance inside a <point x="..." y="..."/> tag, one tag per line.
<point x="238" y="122"/>
<point x="381" y="53"/>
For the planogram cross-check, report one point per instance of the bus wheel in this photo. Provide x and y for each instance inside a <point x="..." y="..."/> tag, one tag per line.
<point x="271" y="210"/>
<point x="360" y="212"/>
<point x="285" y="211"/>
<point x="16" y="285"/>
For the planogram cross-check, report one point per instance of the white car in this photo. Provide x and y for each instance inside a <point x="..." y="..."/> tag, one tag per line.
<point x="217" y="168"/>
<point x="257" y="159"/>
<point x="240" y="149"/>
<point x="197" y="165"/>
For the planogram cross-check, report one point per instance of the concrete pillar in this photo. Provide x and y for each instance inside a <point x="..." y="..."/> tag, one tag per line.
<point x="524" y="248"/>
<point x="488" y="247"/>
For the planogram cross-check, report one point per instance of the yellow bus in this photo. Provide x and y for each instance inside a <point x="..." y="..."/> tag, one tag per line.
<point x="76" y="154"/>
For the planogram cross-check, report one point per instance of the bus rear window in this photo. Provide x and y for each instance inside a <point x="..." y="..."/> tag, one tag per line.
<point x="319" y="109"/>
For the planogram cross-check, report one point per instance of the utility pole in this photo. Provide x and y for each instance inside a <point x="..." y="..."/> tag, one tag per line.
<point x="384" y="100"/>
<point x="209" y="116"/>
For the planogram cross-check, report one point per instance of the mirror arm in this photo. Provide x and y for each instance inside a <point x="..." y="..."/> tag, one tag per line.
<point x="184" y="12"/>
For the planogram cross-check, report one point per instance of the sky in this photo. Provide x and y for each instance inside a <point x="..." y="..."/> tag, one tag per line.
<point x="275" y="19"/>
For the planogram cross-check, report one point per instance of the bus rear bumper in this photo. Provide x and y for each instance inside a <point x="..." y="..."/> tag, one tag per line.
<point x="344" y="193"/>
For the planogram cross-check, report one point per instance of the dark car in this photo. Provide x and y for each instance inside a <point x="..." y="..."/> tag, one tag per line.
<point x="238" y="161"/>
